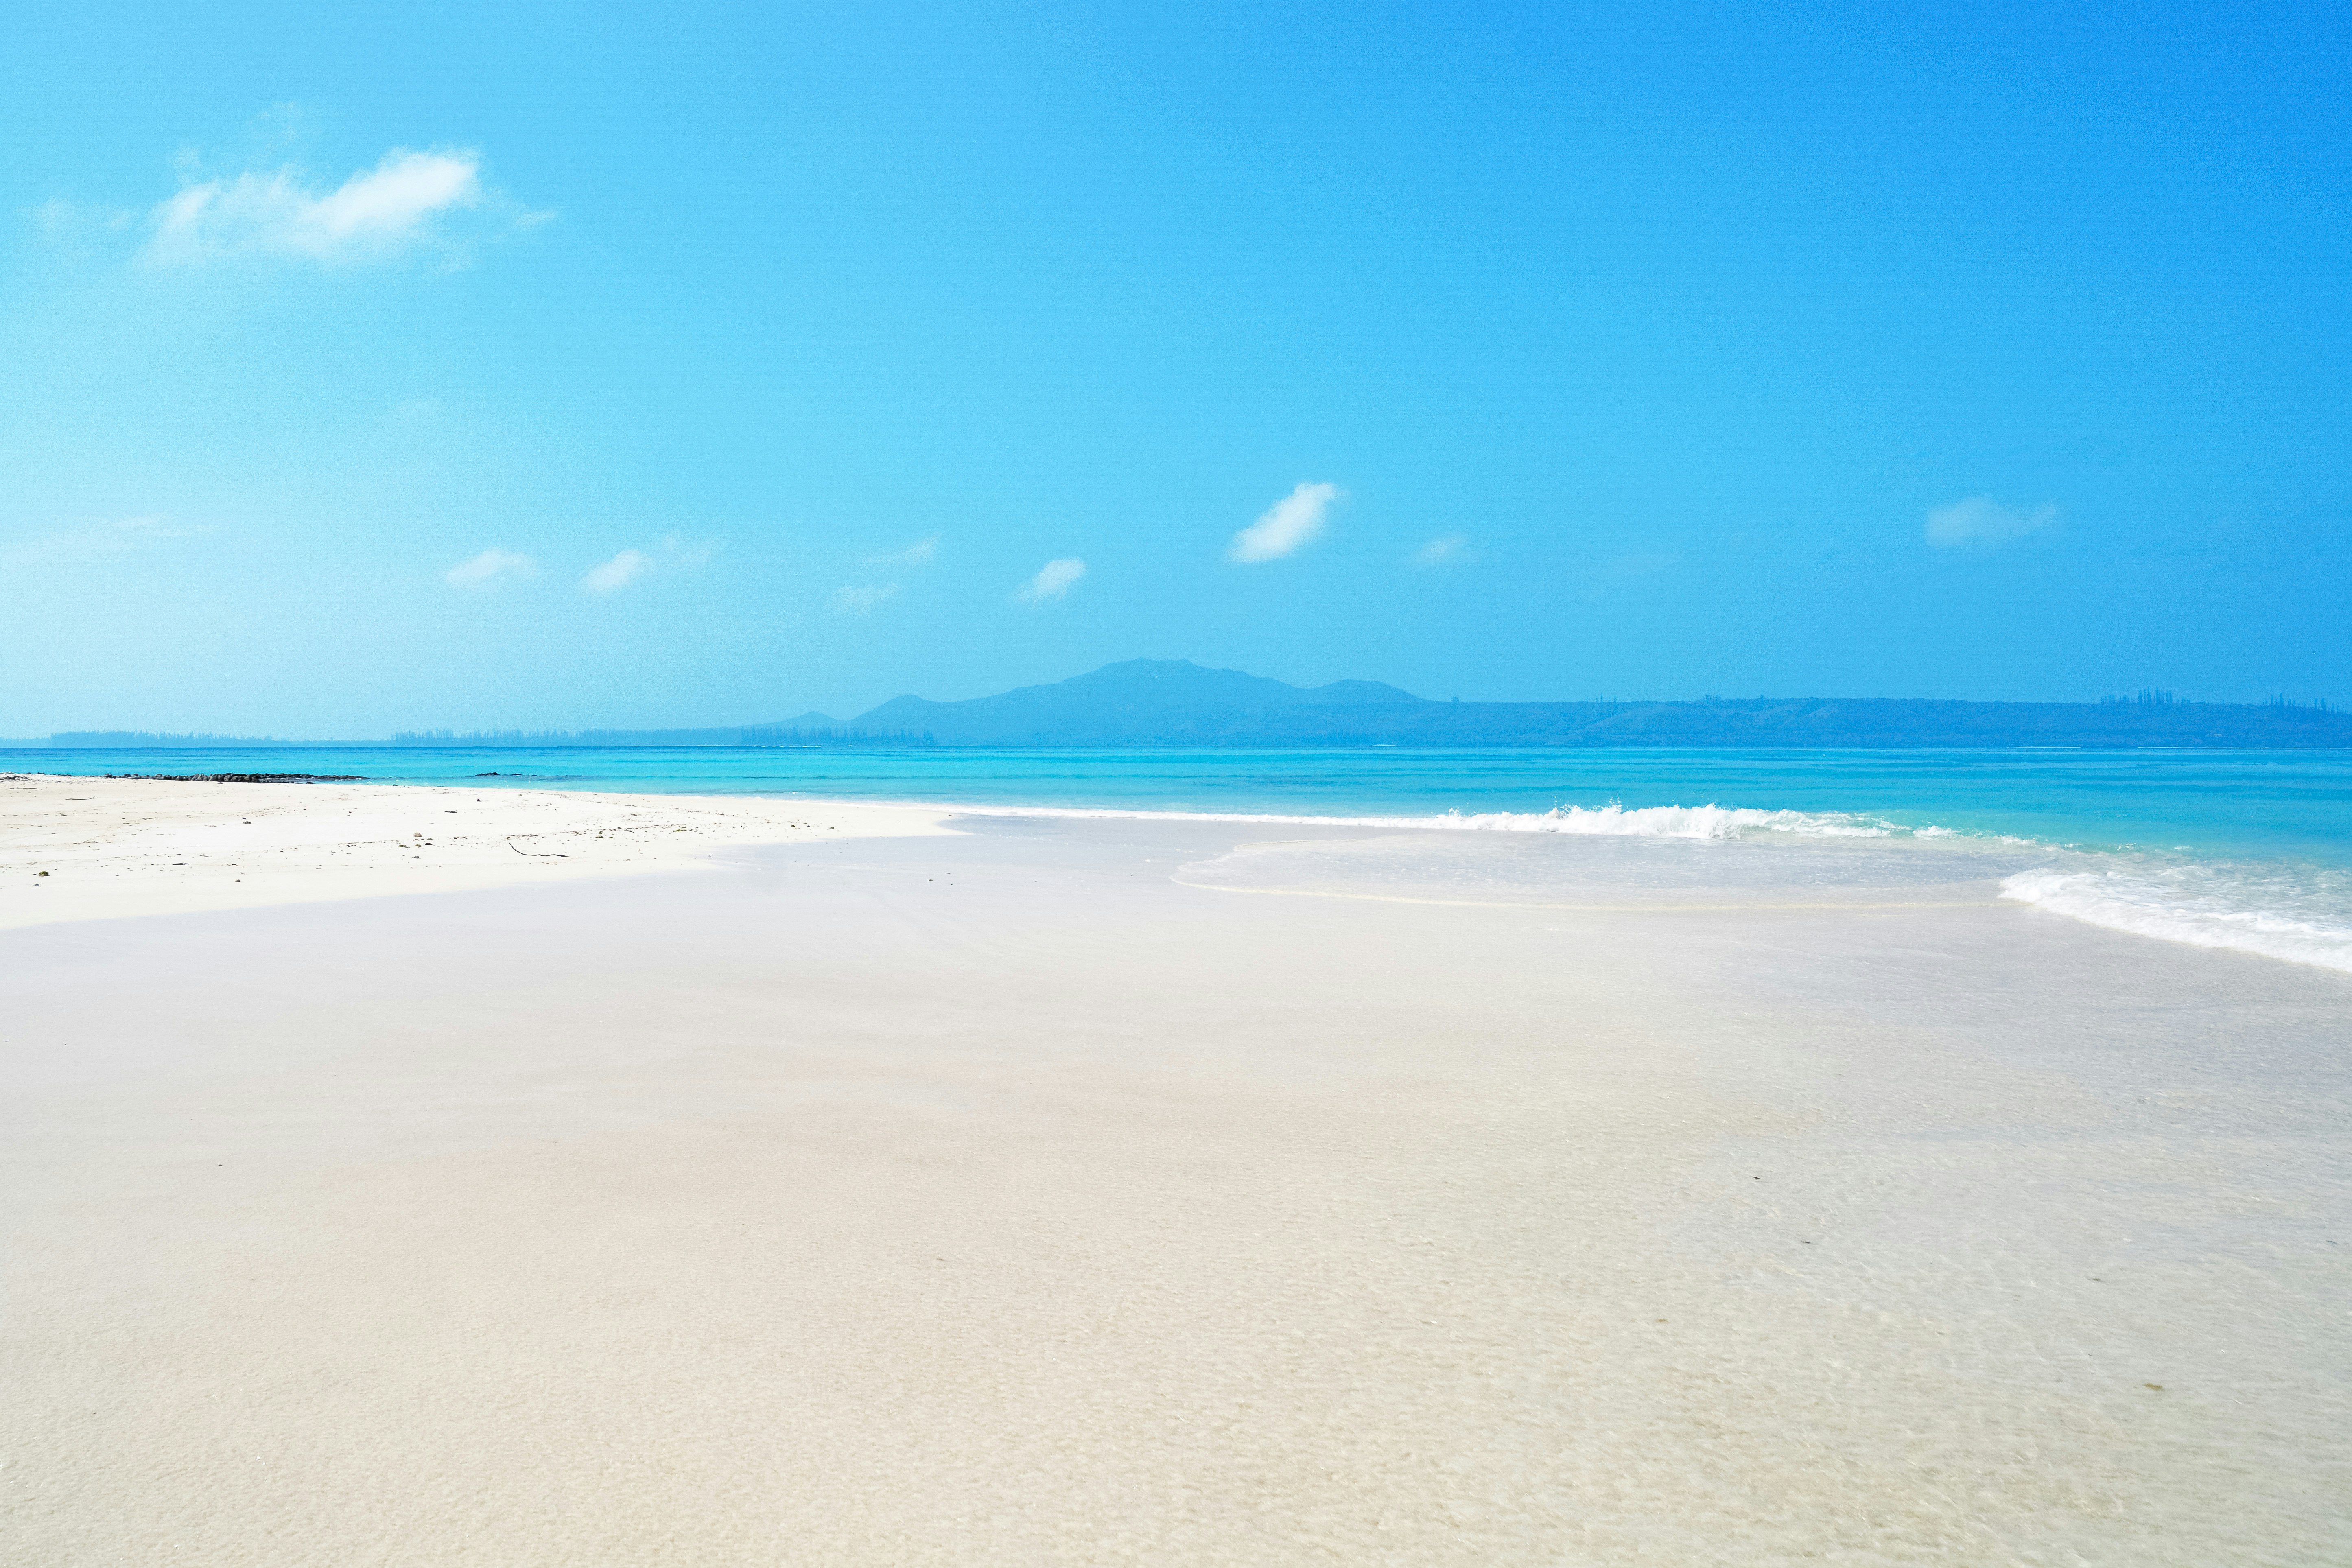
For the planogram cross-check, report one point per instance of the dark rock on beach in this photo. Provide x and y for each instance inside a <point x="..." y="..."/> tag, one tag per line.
<point x="249" y="778"/>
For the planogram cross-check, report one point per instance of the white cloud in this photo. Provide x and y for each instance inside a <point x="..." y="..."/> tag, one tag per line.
<point x="684" y="556"/>
<point x="861" y="601"/>
<point x="376" y="214"/>
<point x="482" y="571"/>
<point x="1054" y="581"/>
<point x="1444" y="548"/>
<point x="1287" y="524"/>
<point x="914" y="555"/>
<point x="115" y="537"/>
<point x="1981" y="520"/>
<point x="282" y="125"/>
<point x="618" y="573"/>
<point x="71" y="226"/>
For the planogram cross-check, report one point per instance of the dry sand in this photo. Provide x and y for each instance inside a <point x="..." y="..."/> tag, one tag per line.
<point x="84" y="849"/>
<point x="995" y="1197"/>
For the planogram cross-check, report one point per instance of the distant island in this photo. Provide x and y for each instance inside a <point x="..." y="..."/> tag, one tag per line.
<point x="1174" y="703"/>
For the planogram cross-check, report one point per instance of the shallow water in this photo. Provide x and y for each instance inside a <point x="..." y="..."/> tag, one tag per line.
<point x="2250" y="850"/>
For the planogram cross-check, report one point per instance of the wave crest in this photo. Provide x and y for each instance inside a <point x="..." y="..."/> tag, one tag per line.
<point x="1611" y="821"/>
<point x="2301" y="914"/>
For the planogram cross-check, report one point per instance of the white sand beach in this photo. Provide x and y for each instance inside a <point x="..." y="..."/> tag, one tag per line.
<point x="96" y="849"/>
<point x="789" y="1182"/>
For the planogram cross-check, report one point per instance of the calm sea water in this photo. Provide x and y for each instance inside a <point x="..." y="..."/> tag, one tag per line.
<point x="2250" y="849"/>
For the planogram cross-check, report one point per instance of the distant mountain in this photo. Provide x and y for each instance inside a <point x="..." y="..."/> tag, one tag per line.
<point x="1174" y="703"/>
<point x="1140" y="702"/>
<point x="1816" y="721"/>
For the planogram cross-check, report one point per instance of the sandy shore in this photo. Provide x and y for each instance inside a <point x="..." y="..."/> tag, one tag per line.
<point x="83" y="848"/>
<point x="1017" y="1194"/>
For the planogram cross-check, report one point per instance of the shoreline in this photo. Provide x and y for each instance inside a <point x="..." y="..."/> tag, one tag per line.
<point x="127" y="847"/>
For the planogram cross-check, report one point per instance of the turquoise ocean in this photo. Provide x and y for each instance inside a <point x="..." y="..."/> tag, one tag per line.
<point x="2250" y="850"/>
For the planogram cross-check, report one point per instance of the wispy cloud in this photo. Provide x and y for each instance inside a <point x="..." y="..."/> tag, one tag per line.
<point x="489" y="567"/>
<point x="678" y="555"/>
<point x="116" y="536"/>
<point x="280" y="126"/>
<point x="861" y="601"/>
<point x="1445" y="550"/>
<point x="405" y="202"/>
<point x="1983" y="520"/>
<point x="1287" y="524"/>
<point x="916" y="555"/>
<point x="618" y="573"/>
<point x="672" y="555"/>
<point x="74" y="227"/>
<point x="1054" y="581"/>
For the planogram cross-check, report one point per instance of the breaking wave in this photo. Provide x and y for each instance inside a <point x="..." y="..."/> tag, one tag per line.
<point x="1612" y="821"/>
<point x="2303" y="918"/>
<point x="2291" y="911"/>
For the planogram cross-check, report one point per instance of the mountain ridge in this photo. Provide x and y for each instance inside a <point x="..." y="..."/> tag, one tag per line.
<point x="1174" y="703"/>
<point x="1135" y="701"/>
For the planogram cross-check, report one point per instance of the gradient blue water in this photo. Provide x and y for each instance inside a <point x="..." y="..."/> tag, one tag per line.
<point x="2267" y="804"/>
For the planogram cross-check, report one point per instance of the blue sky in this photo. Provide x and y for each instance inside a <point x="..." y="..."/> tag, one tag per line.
<point x="377" y="367"/>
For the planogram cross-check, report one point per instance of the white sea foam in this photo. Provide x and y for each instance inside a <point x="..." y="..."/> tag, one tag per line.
<point x="2299" y="913"/>
<point x="1612" y="821"/>
<point x="2204" y="906"/>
